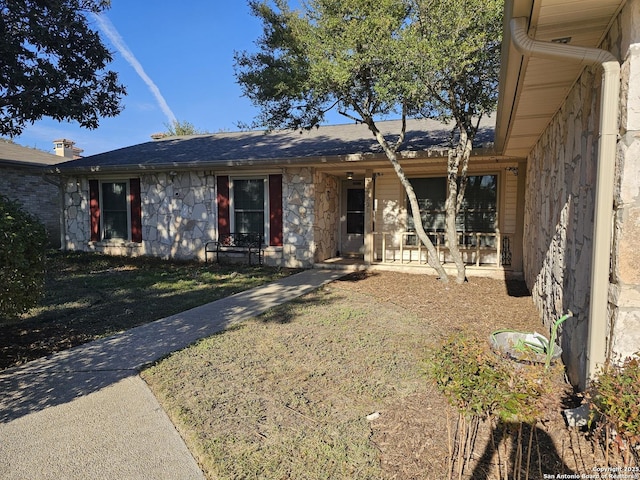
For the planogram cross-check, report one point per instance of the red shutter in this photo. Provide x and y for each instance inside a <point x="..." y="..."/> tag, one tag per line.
<point x="94" y="209"/>
<point x="136" y="210"/>
<point x="224" y="223"/>
<point x="275" y="210"/>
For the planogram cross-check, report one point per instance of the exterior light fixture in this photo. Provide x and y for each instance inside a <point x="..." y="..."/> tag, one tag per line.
<point x="349" y="175"/>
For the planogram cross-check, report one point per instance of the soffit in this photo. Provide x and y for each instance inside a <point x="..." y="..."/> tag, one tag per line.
<point x="533" y="89"/>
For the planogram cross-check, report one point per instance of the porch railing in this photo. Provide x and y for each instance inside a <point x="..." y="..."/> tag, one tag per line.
<point x="477" y="248"/>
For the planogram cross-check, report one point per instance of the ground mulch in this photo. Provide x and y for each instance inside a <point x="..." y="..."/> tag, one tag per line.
<point x="413" y="435"/>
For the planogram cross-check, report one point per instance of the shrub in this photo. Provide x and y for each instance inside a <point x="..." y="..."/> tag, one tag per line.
<point x="480" y="384"/>
<point x="22" y="259"/>
<point x="616" y="400"/>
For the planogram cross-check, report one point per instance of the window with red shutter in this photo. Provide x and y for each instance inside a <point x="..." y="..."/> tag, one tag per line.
<point x="251" y="205"/>
<point x="115" y="210"/>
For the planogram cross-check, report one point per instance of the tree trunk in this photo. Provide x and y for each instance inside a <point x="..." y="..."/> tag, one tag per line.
<point x="432" y="254"/>
<point x="457" y="165"/>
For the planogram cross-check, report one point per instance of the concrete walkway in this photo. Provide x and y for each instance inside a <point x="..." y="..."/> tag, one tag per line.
<point x="86" y="414"/>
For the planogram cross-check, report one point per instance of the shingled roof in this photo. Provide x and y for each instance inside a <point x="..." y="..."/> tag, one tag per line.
<point x="262" y="148"/>
<point x="17" y="155"/>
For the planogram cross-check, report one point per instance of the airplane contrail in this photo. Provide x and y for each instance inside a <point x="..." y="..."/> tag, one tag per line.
<point x="110" y="31"/>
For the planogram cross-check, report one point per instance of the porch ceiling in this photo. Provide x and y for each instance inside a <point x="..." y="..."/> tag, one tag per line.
<point x="532" y="89"/>
<point x="412" y="162"/>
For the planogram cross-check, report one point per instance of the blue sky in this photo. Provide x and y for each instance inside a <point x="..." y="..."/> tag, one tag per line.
<point x="186" y="49"/>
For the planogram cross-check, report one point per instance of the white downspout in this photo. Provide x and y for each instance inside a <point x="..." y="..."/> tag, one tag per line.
<point x="603" y="215"/>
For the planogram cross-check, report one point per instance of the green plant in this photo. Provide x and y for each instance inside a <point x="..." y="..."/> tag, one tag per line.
<point x="22" y="259"/>
<point x="537" y="344"/>
<point x="551" y="345"/>
<point x="481" y="385"/>
<point x="615" y="395"/>
<point x="468" y="375"/>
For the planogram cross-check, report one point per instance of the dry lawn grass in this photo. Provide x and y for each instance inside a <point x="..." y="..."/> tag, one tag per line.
<point x="89" y="296"/>
<point x="287" y="395"/>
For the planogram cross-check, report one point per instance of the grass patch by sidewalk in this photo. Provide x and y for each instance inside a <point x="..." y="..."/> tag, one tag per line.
<point x="286" y="395"/>
<point x="89" y="295"/>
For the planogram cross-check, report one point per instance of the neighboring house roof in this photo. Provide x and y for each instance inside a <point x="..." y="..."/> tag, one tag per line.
<point x="260" y="148"/>
<point x="17" y="155"/>
<point x="533" y="89"/>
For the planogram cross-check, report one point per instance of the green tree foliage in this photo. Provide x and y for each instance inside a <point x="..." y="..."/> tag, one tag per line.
<point x="53" y="64"/>
<point x="22" y="259"/>
<point x="457" y="54"/>
<point x="368" y="60"/>
<point x="177" y="128"/>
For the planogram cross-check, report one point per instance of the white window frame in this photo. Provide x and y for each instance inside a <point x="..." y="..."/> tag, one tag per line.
<point x="232" y="210"/>
<point x="102" y="209"/>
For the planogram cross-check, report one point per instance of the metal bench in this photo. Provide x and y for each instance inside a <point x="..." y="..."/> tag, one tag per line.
<point x="246" y="243"/>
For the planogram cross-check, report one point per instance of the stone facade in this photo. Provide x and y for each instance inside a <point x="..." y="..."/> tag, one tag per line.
<point x="37" y="196"/>
<point x="327" y="218"/>
<point x="298" y="199"/>
<point x="559" y="206"/>
<point x="76" y="214"/>
<point x="625" y="277"/>
<point x="178" y="212"/>
<point x="179" y="215"/>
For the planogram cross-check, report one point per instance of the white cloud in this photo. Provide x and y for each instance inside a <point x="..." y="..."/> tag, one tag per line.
<point x="110" y="31"/>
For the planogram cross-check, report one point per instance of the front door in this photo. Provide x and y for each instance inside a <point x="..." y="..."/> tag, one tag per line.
<point x="352" y="218"/>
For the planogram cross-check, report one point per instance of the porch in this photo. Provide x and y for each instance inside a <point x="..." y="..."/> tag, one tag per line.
<point x="479" y="250"/>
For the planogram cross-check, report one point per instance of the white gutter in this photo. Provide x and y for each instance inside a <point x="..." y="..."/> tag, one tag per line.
<point x="603" y="215"/>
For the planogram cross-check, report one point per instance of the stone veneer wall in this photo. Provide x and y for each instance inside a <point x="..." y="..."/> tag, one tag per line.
<point x="178" y="213"/>
<point x="38" y="197"/>
<point x="559" y="206"/>
<point x="298" y="198"/>
<point x="625" y="288"/>
<point x="178" y="216"/>
<point x="327" y="218"/>
<point x="76" y="214"/>
<point x="558" y="224"/>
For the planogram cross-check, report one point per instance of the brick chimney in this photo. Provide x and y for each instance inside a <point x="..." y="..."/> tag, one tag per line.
<point x="65" y="148"/>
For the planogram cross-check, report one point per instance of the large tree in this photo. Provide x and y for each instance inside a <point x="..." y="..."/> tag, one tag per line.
<point x="371" y="59"/>
<point x="52" y="64"/>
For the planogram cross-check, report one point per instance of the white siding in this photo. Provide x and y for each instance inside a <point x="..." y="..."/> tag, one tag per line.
<point x="390" y="215"/>
<point x="510" y="203"/>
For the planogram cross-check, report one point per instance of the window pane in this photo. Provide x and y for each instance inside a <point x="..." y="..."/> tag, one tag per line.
<point x="249" y="222"/>
<point x="115" y="225"/>
<point x="114" y="196"/>
<point x="355" y="222"/>
<point x="115" y="210"/>
<point x="481" y="192"/>
<point x="432" y="195"/>
<point x="355" y="200"/>
<point x="249" y="194"/>
<point x="478" y="212"/>
<point x="355" y="211"/>
<point x="248" y="201"/>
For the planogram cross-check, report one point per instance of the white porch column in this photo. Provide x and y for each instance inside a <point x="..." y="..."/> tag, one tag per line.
<point x="368" y="217"/>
